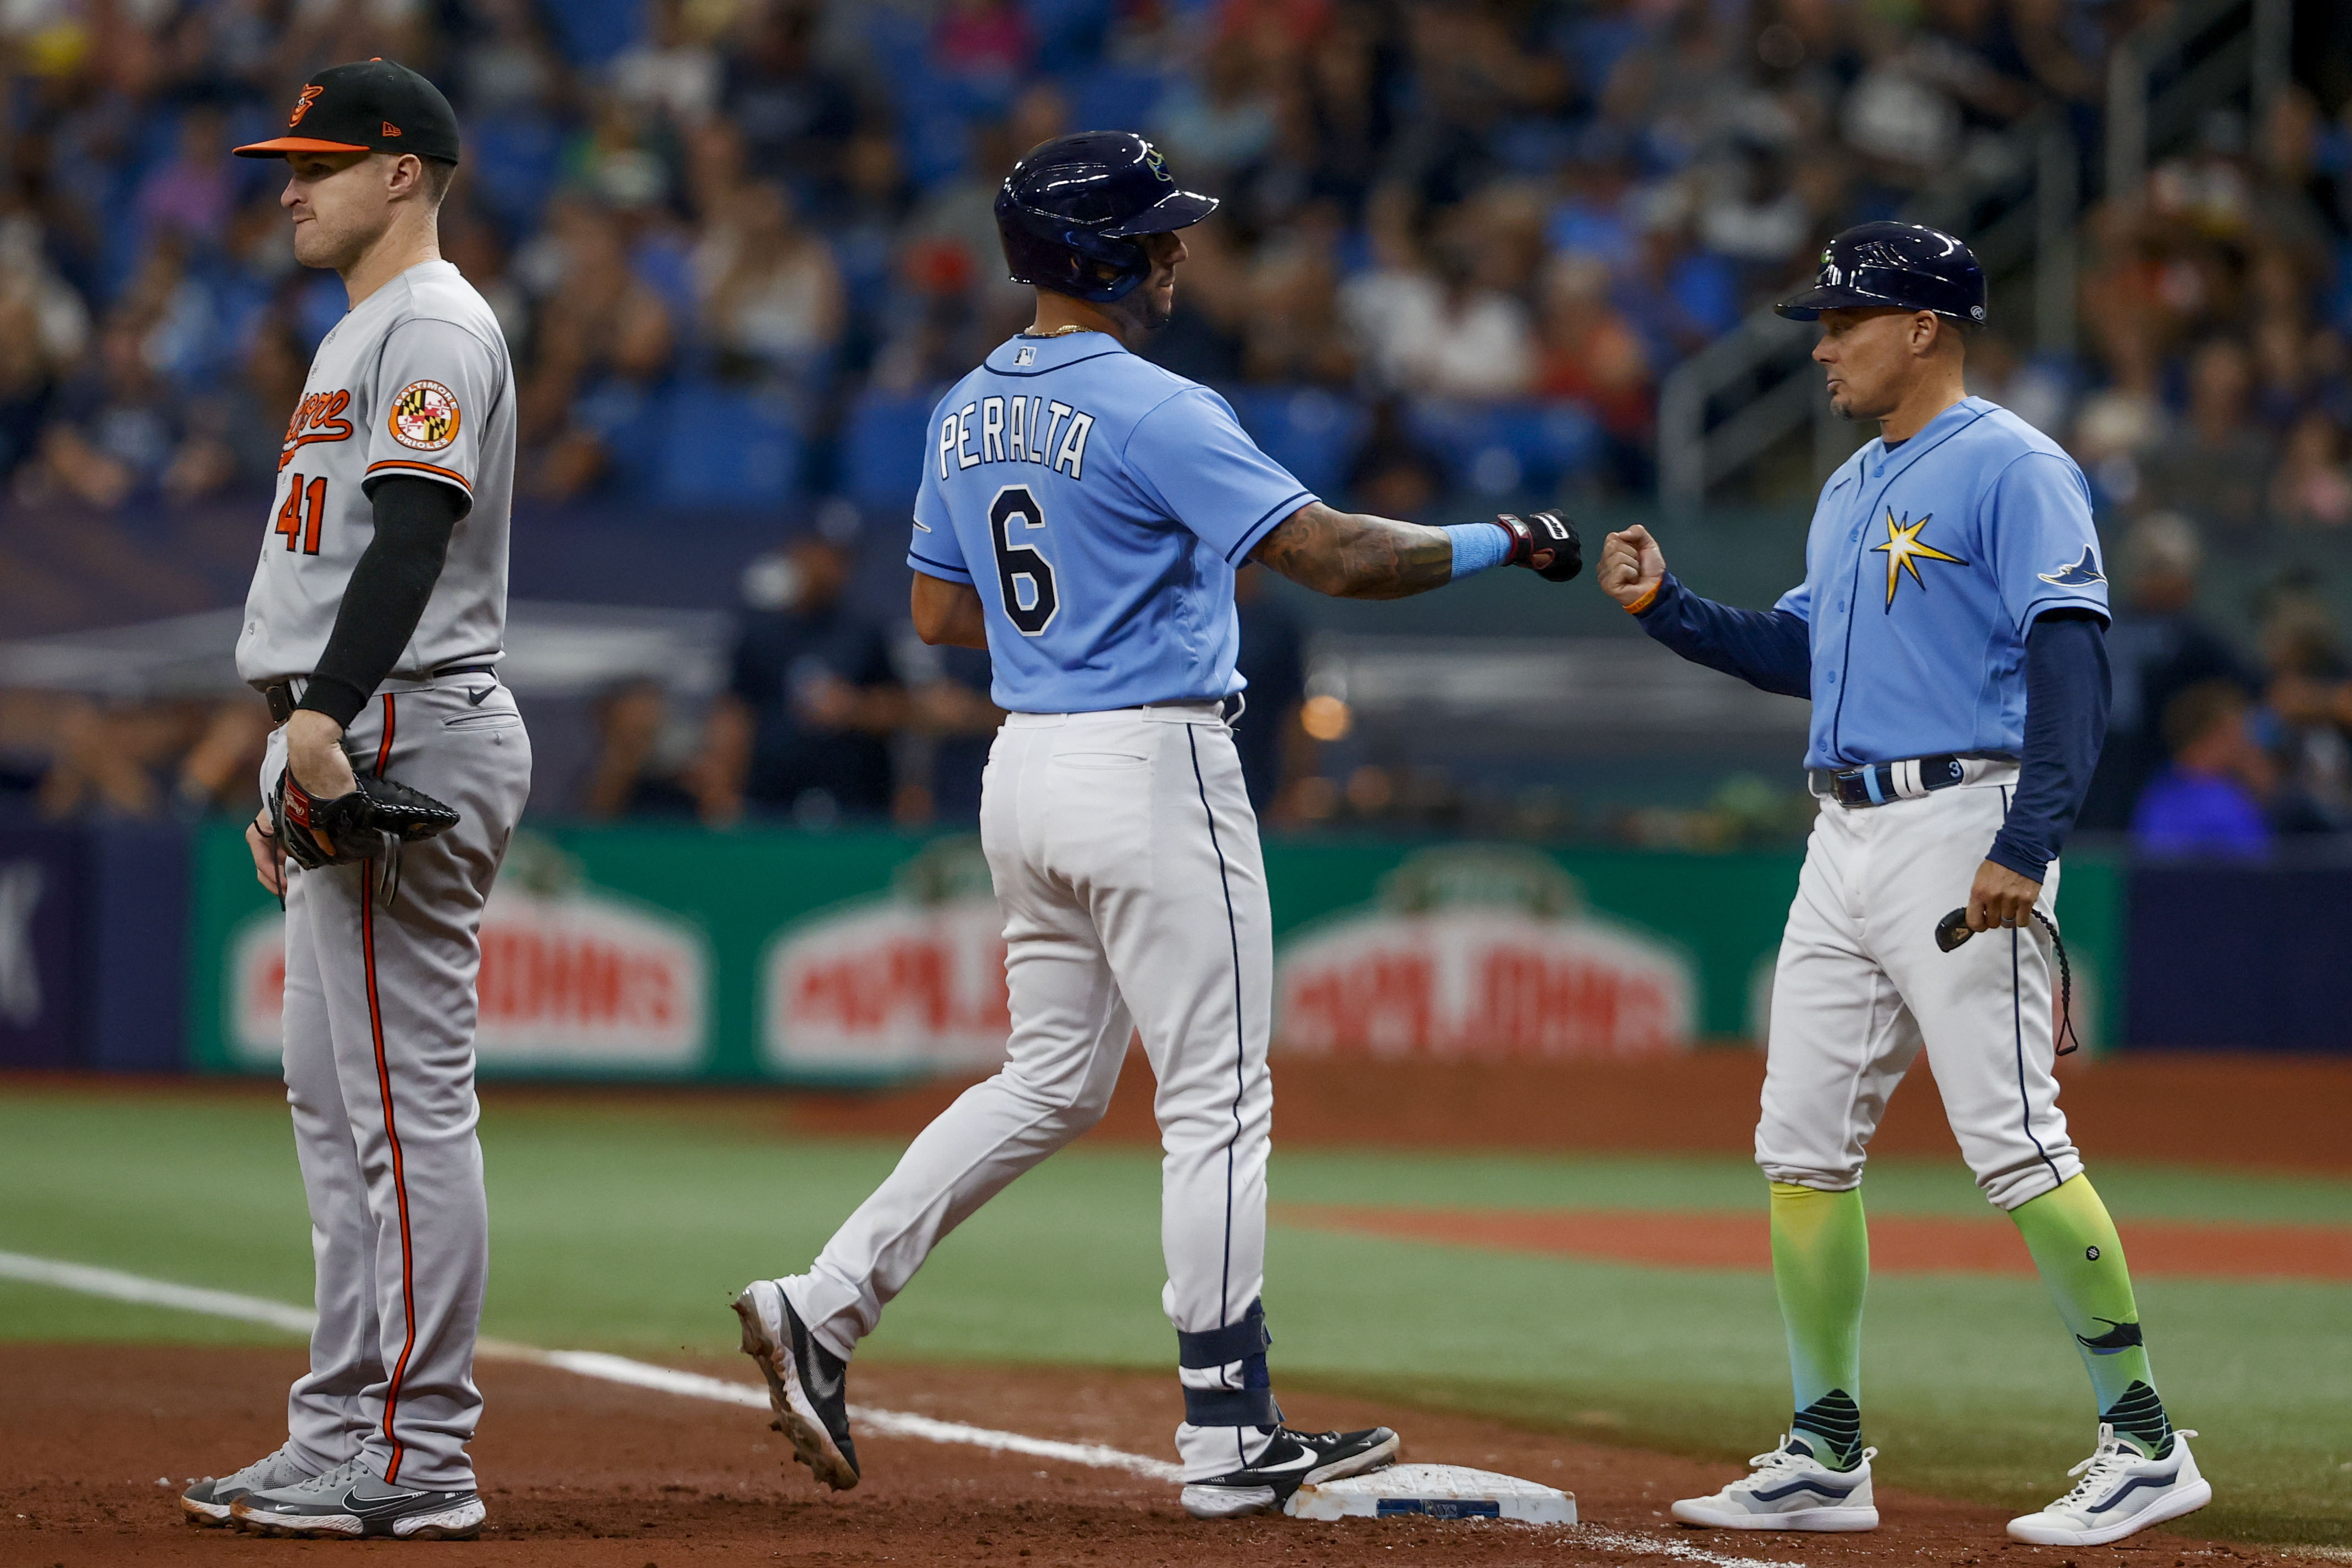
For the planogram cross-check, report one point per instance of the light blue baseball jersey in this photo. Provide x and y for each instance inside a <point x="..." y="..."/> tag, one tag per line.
<point x="1099" y="504"/>
<point x="1924" y="570"/>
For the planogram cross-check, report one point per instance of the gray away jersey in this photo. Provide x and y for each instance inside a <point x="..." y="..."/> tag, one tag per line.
<point x="415" y="381"/>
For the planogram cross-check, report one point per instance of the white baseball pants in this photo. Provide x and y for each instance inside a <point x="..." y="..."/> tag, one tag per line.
<point x="1860" y="986"/>
<point x="380" y="1011"/>
<point x="1125" y="857"/>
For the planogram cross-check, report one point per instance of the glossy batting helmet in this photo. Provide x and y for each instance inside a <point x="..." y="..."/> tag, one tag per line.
<point x="1905" y="265"/>
<point x="1070" y="209"/>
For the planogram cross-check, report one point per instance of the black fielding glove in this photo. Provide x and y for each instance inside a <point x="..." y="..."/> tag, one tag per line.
<point x="1540" y="532"/>
<point x="354" y="828"/>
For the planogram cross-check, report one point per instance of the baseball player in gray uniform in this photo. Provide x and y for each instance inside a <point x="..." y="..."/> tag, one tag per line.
<point x="374" y="627"/>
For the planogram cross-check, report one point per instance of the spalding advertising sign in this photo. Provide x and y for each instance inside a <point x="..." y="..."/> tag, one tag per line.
<point x="1479" y="953"/>
<point x="910" y="980"/>
<point x="574" y="978"/>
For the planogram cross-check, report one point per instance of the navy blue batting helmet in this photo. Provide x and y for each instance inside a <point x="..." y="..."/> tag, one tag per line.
<point x="1905" y="265"/>
<point x="1070" y="209"/>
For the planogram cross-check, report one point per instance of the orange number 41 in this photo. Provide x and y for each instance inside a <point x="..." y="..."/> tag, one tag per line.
<point x="313" y="511"/>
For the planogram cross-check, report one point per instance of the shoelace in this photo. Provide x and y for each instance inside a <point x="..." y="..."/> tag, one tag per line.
<point x="1782" y="1459"/>
<point x="341" y="1476"/>
<point x="2112" y="1456"/>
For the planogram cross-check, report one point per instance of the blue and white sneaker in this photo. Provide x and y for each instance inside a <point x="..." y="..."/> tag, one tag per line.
<point x="2121" y="1492"/>
<point x="1788" y="1488"/>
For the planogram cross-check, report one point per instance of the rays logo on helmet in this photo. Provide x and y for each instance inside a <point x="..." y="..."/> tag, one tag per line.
<point x="424" y="416"/>
<point x="2081" y="574"/>
<point x="1157" y="164"/>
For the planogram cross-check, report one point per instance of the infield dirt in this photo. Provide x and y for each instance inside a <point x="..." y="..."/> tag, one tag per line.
<point x="96" y="1443"/>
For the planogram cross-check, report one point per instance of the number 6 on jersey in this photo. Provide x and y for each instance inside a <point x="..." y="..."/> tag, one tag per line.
<point x="1020" y="563"/>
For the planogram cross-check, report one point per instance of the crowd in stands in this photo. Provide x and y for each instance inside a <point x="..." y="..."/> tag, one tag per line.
<point x="738" y="246"/>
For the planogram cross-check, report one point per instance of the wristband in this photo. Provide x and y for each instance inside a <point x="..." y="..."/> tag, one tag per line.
<point x="1477" y="546"/>
<point x="1647" y="599"/>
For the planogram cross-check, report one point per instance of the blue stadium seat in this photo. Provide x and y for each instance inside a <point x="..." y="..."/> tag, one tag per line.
<point x="723" y="446"/>
<point x="882" y="449"/>
<point x="593" y="31"/>
<point x="1313" y="433"/>
<point x="1113" y="97"/>
<point x="511" y="162"/>
<point x="1069" y="33"/>
<point x="1508" y="448"/>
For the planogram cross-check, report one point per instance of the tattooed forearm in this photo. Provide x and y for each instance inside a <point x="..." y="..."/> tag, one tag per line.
<point x="1354" y="555"/>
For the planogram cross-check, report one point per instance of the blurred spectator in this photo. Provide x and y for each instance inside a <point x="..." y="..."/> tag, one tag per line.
<point x="1273" y="660"/>
<point x="2305" y="722"/>
<point x="1441" y="331"/>
<point x="2157" y="649"/>
<point x="44" y="326"/>
<point x="2214" y="469"/>
<point x="670" y="71"/>
<point x="796" y="115"/>
<point x="950" y="725"/>
<point x="811" y="698"/>
<point x="189" y="197"/>
<point x="601" y="337"/>
<point x="2209" y="800"/>
<point x="116" y="430"/>
<point x="2311" y="489"/>
<point x="1591" y="354"/>
<point x="643" y="758"/>
<point x="772" y="299"/>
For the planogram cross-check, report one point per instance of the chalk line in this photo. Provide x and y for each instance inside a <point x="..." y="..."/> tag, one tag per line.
<point x="115" y="1285"/>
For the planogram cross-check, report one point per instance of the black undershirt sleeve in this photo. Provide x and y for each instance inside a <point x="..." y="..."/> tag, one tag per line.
<point x="386" y="596"/>
<point x="2067" y="696"/>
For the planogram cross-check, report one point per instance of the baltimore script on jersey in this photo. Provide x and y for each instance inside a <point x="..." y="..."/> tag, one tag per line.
<point x="1016" y="430"/>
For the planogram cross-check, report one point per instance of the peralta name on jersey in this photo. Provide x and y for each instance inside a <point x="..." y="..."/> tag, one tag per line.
<point x="1015" y="430"/>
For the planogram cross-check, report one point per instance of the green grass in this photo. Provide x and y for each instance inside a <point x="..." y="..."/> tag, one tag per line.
<point x="627" y="1228"/>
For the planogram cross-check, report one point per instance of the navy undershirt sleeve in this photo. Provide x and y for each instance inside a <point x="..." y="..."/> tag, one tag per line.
<point x="2066" y="692"/>
<point x="1767" y="648"/>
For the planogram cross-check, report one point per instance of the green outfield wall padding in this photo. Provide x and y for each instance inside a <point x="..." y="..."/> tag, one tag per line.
<point x="711" y="904"/>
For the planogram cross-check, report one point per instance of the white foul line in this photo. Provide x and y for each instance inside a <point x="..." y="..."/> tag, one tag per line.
<point x="115" y="1285"/>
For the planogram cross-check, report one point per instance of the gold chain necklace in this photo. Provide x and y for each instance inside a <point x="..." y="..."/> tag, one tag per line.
<point x="1057" y="331"/>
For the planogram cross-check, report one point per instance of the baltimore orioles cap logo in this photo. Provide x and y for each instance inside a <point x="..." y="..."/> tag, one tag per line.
<point x="302" y="104"/>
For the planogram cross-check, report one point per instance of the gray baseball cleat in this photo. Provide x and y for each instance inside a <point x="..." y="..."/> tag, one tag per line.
<point x="349" y="1502"/>
<point x="808" y="1386"/>
<point x="207" y="1502"/>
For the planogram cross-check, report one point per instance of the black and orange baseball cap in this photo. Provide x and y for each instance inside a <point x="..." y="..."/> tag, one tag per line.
<point x="368" y="105"/>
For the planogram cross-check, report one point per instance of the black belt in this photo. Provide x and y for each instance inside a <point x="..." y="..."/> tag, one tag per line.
<point x="1878" y="782"/>
<point x="281" y="694"/>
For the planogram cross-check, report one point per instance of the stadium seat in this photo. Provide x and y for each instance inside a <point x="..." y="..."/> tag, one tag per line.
<point x="726" y="448"/>
<point x="1307" y="430"/>
<point x="882" y="449"/>
<point x="510" y="160"/>
<point x="1508" y="448"/>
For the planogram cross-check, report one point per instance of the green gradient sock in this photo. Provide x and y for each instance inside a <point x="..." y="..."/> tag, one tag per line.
<point x="2075" y="1246"/>
<point x="1821" y="1267"/>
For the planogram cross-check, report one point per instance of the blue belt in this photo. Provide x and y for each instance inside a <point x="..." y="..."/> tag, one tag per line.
<point x="1876" y="783"/>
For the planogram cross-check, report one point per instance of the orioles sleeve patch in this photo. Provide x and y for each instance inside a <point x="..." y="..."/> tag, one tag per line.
<point x="424" y="416"/>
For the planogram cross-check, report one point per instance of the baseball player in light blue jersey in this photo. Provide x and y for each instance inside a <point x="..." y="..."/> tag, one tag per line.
<point x="1949" y="633"/>
<point x="1080" y="514"/>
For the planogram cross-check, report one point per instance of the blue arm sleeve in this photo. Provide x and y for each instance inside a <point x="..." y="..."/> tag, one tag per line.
<point x="1768" y="649"/>
<point x="2065" y="723"/>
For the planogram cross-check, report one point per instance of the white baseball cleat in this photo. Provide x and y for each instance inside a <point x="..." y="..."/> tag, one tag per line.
<point x="2119" y="1494"/>
<point x="1789" y="1490"/>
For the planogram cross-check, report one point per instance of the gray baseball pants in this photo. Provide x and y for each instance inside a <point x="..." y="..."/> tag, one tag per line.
<point x="380" y="1011"/>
